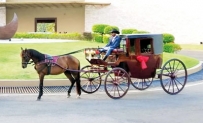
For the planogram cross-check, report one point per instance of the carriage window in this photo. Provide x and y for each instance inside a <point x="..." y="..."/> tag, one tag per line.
<point x="132" y="47"/>
<point x="146" y="45"/>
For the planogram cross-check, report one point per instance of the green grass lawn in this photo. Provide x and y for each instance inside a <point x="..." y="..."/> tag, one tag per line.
<point x="191" y="46"/>
<point x="10" y="59"/>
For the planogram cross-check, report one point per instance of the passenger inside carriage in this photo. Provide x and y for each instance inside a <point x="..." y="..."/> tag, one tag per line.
<point x="114" y="43"/>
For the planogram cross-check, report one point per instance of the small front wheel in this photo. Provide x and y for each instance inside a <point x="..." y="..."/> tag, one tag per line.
<point x="173" y="76"/>
<point x="117" y="83"/>
<point x="90" y="79"/>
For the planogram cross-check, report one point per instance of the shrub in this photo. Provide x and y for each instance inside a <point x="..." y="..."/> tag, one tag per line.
<point x="140" y="32"/>
<point x="87" y="36"/>
<point x="97" y="37"/>
<point x="171" y="47"/>
<point x="168" y="38"/>
<point x="99" y="28"/>
<point x="108" y="29"/>
<point x="106" y="38"/>
<point x="128" y="31"/>
<point x="72" y="36"/>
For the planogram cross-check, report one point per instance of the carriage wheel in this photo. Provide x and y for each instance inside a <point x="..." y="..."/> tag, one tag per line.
<point x="91" y="79"/>
<point x="141" y="84"/>
<point x="173" y="76"/>
<point x="116" y="83"/>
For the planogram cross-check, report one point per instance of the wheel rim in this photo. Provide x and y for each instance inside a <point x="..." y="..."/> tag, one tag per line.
<point x="173" y="76"/>
<point x="90" y="79"/>
<point x="141" y="84"/>
<point x="116" y="83"/>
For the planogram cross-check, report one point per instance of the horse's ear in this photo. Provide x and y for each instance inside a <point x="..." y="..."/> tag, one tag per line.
<point x="21" y="48"/>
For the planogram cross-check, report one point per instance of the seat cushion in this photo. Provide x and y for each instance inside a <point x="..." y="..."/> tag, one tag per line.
<point x="117" y="51"/>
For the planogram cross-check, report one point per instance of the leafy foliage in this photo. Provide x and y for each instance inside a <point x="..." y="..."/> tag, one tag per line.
<point x="106" y="38"/>
<point x="128" y="31"/>
<point x="108" y="29"/>
<point x="99" y="28"/>
<point x="140" y="32"/>
<point x="98" y="37"/>
<point x="72" y="36"/>
<point x="171" y="47"/>
<point x="168" y="38"/>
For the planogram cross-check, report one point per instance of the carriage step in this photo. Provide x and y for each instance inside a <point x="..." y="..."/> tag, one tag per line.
<point x="33" y="89"/>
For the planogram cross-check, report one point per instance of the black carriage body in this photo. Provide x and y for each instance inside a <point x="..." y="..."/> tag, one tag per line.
<point x="138" y="48"/>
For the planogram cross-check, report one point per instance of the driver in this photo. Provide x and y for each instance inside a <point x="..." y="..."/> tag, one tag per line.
<point x="113" y="43"/>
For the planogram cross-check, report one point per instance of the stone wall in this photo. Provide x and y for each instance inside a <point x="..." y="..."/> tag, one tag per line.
<point x="182" y="18"/>
<point x="2" y="16"/>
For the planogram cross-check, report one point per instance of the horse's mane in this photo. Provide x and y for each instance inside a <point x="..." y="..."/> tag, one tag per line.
<point x="36" y="54"/>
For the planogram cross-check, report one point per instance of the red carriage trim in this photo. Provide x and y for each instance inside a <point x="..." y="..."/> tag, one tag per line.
<point x="143" y="60"/>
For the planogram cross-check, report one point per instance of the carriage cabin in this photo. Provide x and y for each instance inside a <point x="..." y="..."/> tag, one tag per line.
<point x="143" y="54"/>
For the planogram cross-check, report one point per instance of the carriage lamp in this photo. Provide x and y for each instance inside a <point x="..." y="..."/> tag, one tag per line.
<point x="123" y="42"/>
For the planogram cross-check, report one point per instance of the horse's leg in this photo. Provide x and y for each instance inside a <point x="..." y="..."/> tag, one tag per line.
<point x="41" y="79"/>
<point x="72" y="80"/>
<point x="77" y="79"/>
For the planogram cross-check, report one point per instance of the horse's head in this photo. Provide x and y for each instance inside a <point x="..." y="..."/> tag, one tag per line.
<point x="25" y="55"/>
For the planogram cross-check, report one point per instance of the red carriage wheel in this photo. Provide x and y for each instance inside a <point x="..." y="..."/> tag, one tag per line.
<point x="117" y="83"/>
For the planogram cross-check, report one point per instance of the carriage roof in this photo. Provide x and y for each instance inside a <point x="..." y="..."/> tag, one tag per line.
<point x="157" y="40"/>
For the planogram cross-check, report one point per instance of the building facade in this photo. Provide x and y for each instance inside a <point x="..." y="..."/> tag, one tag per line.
<point x="181" y="18"/>
<point x="67" y="15"/>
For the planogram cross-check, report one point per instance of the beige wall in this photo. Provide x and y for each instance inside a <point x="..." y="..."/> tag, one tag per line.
<point x="68" y="19"/>
<point x="2" y="16"/>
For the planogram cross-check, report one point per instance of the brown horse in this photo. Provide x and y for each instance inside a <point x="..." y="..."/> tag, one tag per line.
<point x="48" y="65"/>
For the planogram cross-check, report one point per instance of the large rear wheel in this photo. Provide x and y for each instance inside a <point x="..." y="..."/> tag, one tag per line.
<point x="90" y="79"/>
<point x="116" y="83"/>
<point x="173" y="76"/>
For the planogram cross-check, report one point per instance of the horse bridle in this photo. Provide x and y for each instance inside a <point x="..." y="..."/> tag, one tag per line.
<point x="27" y="59"/>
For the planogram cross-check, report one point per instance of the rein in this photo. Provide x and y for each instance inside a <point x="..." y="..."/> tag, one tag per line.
<point x="77" y="51"/>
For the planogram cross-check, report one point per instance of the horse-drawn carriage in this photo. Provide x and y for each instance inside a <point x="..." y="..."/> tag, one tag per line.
<point x="138" y="62"/>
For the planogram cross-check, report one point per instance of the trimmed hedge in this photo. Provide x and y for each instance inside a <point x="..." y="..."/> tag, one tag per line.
<point x="108" y="29"/>
<point x="97" y="37"/>
<point x="128" y="31"/>
<point x="71" y="36"/>
<point x="168" y="38"/>
<point x="171" y="47"/>
<point x="140" y="32"/>
<point x="99" y="28"/>
<point x="106" y="38"/>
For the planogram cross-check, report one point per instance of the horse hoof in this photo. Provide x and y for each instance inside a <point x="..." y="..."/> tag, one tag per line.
<point x="68" y="95"/>
<point x="38" y="99"/>
<point x="78" y="96"/>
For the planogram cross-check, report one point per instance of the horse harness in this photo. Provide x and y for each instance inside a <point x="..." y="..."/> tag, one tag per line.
<point x="49" y="61"/>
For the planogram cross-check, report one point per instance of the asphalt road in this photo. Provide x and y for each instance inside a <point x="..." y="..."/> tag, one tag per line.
<point x="192" y="53"/>
<point x="149" y="106"/>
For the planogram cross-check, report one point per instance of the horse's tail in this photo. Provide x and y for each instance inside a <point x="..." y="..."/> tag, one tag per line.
<point x="78" y="81"/>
